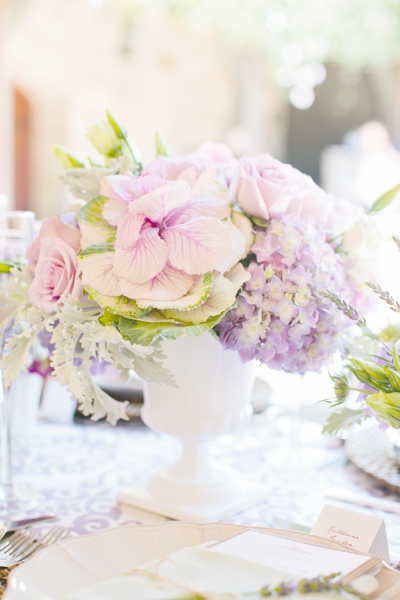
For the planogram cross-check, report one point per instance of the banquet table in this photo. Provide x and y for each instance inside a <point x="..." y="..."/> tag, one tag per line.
<point x="79" y="468"/>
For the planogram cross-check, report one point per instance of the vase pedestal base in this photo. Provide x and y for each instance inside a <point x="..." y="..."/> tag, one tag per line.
<point x="249" y="495"/>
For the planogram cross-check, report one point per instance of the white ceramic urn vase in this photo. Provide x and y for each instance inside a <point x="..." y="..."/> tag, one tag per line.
<point x="213" y="399"/>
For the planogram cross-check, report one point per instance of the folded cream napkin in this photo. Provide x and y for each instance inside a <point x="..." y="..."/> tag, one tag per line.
<point x="208" y="573"/>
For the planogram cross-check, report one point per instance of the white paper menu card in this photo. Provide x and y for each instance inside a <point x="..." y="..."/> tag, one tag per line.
<point x="299" y="558"/>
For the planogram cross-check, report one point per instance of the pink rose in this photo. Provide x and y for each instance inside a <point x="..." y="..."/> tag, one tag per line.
<point x="264" y="187"/>
<point x="219" y="155"/>
<point x="56" y="274"/>
<point x="60" y="226"/>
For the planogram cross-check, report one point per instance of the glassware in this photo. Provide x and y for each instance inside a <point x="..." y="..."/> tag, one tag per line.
<point x="301" y="445"/>
<point x="16" y="235"/>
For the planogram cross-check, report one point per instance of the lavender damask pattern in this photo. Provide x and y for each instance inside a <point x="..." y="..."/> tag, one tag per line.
<point x="80" y="469"/>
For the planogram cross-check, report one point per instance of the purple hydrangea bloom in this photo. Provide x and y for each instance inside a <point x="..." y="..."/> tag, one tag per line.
<point x="281" y="319"/>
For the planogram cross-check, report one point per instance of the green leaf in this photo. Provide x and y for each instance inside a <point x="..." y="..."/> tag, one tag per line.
<point x="172" y="333"/>
<point x="141" y="332"/>
<point x="92" y="212"/>
<point x="117" y="126"/>
<point x="96" y="249"/>
<point x="93" y="226"/>
<point x="385" y="199"/>
<point x="118" y="305"/>
<point x="109" y="318"/>
<point x="161" y="146"/>
<point x="198" y="293"/>
<point x="260" y="222"/>
<point x="146" y="332"/>
<point x="342" y="419"/>
<point x="68" y="160"/>
<point x="158" y="316"/>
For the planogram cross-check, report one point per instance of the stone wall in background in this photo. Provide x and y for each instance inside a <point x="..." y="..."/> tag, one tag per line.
<point x="72" y="61"/>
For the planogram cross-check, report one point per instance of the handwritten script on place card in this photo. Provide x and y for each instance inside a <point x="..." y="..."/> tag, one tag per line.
<point x="300" y="559"/>
<point x="355" y="530"/>
<point x="341" y="535"/>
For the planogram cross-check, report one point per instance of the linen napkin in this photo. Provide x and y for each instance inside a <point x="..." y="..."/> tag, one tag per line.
<point x="197" y="569"/>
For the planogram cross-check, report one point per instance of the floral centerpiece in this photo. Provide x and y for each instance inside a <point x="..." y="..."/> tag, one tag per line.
<point x="180" y="247"/>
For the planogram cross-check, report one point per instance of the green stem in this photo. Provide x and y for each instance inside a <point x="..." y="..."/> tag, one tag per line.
<point x="396" y="358"/>
<point x="139" y="164"/>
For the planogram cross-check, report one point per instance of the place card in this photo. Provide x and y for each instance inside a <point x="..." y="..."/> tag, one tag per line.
<point x="299" y="558"/>
<point x="355" y="530"/>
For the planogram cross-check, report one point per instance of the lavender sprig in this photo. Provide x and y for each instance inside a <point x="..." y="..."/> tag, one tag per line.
<point x="310" y="586"/>
<point x="317" y="585"/>
<point x="345" y="308"/>
<point x="396" y="241"/>
<point x="384" y="295"/>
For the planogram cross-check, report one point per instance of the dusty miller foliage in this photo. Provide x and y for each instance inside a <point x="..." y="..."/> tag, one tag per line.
<point x="78" y="338"/>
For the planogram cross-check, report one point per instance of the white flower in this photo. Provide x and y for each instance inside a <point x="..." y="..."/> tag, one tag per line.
<point x="363" y="238"/>
<point x="103" y="137"/>
<point x="361" y="344"/>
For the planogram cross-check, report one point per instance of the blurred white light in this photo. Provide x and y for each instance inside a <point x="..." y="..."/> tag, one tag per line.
<point x="276" y="22"/>
<point x="305" y="76"/>
<point x="310" y="75"/>
<point x="285" y="76"/>
<point x="319" y="72"/>
<point x="241" y="22"/>
<point x="317" y="46"/>
<point x="292" y="53"/>
<point x="95" y="3"/>
<point x="301" y="96"/>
